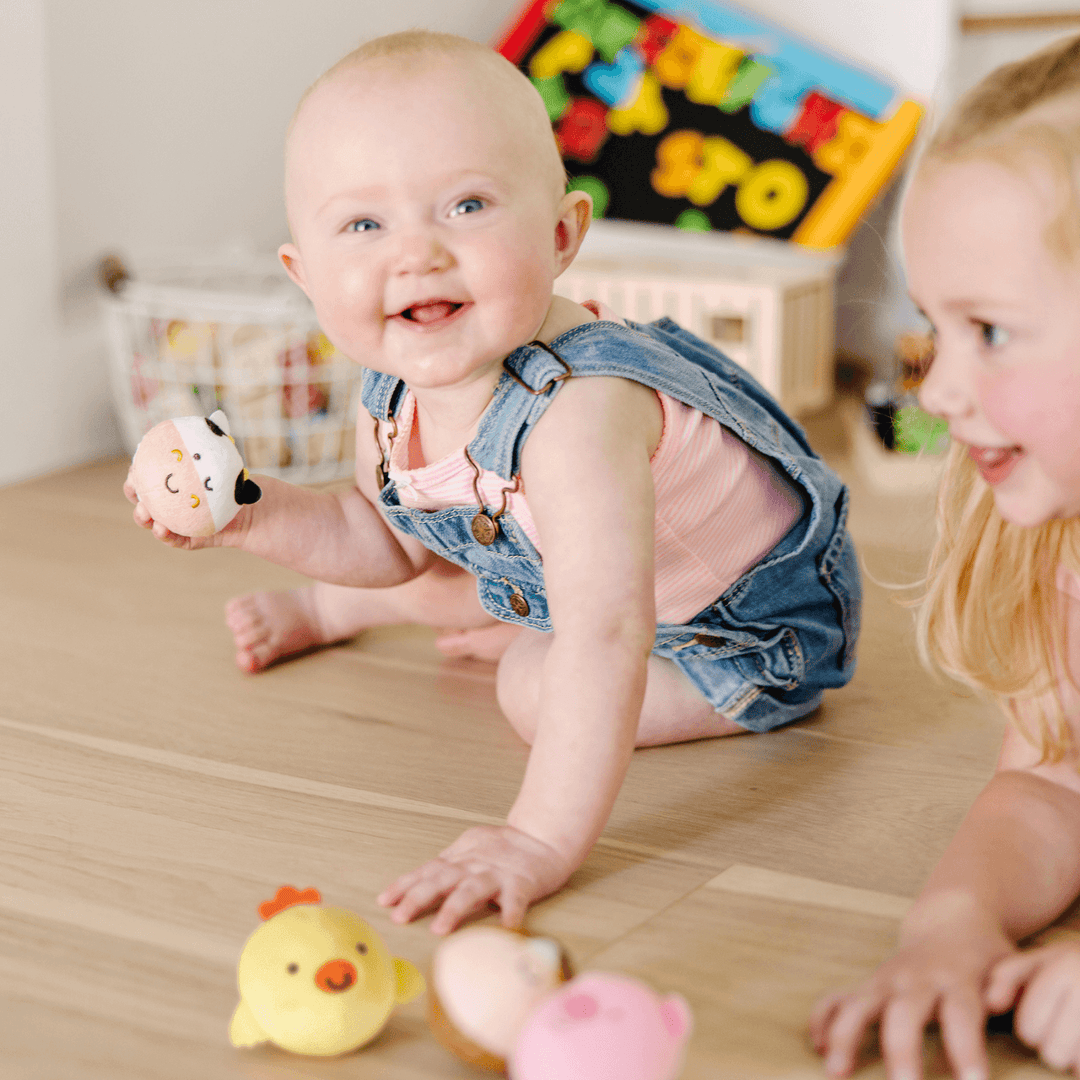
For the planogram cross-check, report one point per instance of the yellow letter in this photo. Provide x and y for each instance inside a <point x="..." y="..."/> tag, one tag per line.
<point x="648" y="114"/>
<point x="724" y="164"/>
<point x="772" y="195"/>
<point x="678" y="161"/>
<point x="713" y="73"/>
<point x="567" y="51"/>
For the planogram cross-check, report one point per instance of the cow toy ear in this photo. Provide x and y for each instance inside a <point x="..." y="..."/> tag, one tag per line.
<point x="247" y="491"/>
<point x="218" y="423"/>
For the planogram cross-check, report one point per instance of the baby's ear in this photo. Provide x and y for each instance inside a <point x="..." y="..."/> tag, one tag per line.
<point x="289" y="254"/>
<point x="575" y="216"/>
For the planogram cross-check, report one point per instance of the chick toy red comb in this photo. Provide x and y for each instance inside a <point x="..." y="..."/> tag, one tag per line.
<point x="287" y="896"/>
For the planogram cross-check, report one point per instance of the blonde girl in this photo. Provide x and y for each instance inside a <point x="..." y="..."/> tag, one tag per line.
<point x="991" y="231"/>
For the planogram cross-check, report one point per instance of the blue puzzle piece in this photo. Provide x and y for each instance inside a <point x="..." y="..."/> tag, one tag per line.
<point x="613" y="83"/>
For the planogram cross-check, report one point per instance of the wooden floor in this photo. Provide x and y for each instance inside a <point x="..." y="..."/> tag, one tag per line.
<point x="151" y="796"/>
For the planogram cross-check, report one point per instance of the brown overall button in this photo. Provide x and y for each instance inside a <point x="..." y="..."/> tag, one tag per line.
<point x="519" y="605"/>
<point x="484" y="530"/>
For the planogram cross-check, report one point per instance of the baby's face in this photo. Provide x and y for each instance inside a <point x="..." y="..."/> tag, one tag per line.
<point x="425" y="227"/>
<point x="1006" y="318"/>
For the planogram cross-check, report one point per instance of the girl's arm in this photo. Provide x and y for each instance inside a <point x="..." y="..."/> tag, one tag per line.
<point x="1012" y="868"/>
<point x="338" y="537"/>
<point x="586" y="473"/>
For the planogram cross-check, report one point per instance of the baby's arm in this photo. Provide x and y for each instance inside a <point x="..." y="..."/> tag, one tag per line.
<point x="1012" y="868"/>
<point x="338" y="537"/>
<point x="586" y="473"/>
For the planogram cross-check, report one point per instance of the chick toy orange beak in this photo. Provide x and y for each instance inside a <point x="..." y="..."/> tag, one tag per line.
<point x="335" y="976"/>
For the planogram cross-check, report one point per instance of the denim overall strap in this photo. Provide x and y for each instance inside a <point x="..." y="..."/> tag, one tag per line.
<point x="529" y="382"/>
<point x="381" y="394"/>
<point x="758" y="413"/>
<point x="661" y="355"/>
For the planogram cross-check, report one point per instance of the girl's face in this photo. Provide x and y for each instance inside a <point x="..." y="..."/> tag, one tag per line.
<point x="1005" y="314"/>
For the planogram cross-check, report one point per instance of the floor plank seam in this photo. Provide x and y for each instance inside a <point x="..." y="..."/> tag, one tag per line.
<point x="318" y="788"/>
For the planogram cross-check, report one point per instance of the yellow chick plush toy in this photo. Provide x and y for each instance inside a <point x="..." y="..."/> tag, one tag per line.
<point x="316" y="980"/>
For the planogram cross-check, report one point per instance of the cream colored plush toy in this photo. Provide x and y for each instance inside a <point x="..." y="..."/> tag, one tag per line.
<point x="485" y="980"/>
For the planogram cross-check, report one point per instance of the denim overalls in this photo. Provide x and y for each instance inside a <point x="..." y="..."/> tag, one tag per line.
<point x="763" y="652"/>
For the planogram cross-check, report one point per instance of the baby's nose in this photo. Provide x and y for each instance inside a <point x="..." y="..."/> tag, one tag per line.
<point x="335" y="976"/>
<point x="422" y="252"/>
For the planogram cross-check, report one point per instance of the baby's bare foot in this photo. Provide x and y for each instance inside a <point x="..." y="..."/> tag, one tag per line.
<point x="485" y="643"/>
<point x="269" y="626"/>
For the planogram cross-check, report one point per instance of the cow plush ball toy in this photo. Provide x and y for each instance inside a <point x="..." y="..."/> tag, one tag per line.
<point x="189" y="474"/>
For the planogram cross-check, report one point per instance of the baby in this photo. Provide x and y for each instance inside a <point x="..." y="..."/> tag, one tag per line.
<point x="669" y="557"/>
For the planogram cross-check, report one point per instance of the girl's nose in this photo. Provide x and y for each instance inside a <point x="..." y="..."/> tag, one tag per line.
<point x="422" y="252"/>
<point x="947" y="389"/>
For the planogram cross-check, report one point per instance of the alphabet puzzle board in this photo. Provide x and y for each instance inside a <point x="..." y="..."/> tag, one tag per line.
<point x="697" y="114"/>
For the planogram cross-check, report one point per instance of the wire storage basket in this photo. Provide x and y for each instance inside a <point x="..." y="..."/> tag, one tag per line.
<point x="185" y="340"/>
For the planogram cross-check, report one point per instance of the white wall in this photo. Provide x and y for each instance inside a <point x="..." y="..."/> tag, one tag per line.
<point x="29" y="373"/>
<point x="148" y="126"/>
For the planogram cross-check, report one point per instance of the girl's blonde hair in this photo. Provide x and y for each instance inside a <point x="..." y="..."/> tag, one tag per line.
<point x="991" y="615"/>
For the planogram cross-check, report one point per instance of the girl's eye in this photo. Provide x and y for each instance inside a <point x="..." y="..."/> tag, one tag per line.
<point x="467" y="206"/>
<point x="993" y="335"/>
<point x="362" y="225"/>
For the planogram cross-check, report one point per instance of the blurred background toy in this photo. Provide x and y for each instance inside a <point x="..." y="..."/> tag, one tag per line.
<point x="189" y="474"/>
<point x="892" y="402"/>
<point x="316" y="980"/>
<point x="602" y="1026"/>
<point x="485" y="981"/>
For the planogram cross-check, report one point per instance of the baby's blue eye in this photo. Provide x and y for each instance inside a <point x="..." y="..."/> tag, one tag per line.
<point x="467" y="206"/>
<point x="362" y="225"/>
<point x="993" y="335"/>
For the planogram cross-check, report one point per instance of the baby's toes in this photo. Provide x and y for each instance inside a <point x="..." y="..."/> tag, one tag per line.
<point x="251" y="634"/>
<point x="255" y="657"/>
<point x="244" y="618"/>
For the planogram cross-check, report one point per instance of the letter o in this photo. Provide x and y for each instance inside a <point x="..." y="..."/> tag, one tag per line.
<point x="772" y="195"/>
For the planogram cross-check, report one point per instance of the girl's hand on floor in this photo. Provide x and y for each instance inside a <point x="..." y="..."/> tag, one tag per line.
<point x="1047" y="982"/>
<point x="487" y="864"/>
<point x="937" y="977"/>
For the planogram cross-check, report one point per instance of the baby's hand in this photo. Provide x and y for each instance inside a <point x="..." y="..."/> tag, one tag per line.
<point x="1047" y="981"/>
<point x="486" y="864"/>
<point x="143" y="519"/>
<point x="938" y="977"/>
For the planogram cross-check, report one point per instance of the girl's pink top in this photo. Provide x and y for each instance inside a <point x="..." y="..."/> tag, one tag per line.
<point x="720" y="506"/>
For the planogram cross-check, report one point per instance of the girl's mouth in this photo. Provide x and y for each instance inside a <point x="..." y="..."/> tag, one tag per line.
<point x="995" y="463"/>
<point x="431" y="312"/>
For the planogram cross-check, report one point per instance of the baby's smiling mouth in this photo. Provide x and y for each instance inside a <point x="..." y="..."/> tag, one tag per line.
<point x="429" y="312"/>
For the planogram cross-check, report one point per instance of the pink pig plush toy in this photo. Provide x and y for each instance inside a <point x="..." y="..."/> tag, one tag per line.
<point x="600" y="1026"/>
<point x="188" y="473"/>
